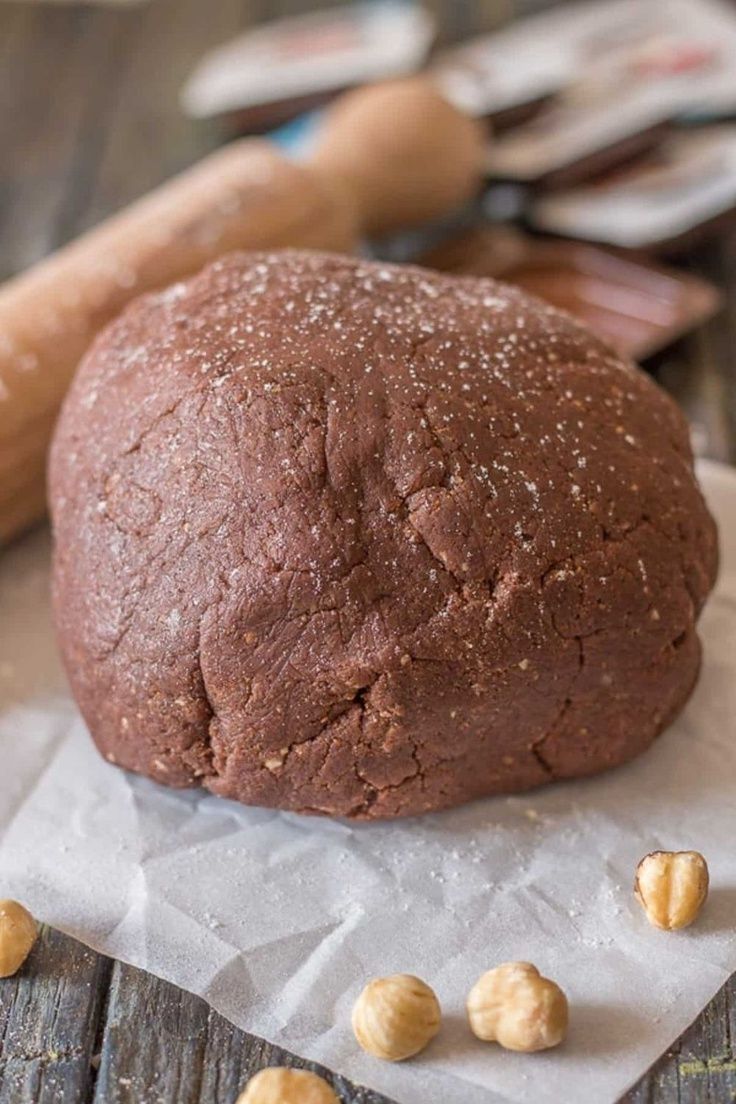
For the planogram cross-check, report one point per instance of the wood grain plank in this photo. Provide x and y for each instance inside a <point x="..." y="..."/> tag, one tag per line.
<point x="706" y="1063"/>
<point x="49" y="1018"/>
<point x="700" y="1068"/>
<point x="51" y="74"/>
<point x="161" y="1044"/>
<point x="222" y="1080"/>
<point x="145" y="137"/>
<point x="153" y="1041"/>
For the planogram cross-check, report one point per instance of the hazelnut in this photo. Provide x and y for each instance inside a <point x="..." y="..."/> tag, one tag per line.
<point x="278" y="1085"/>
<point x="395" y="1017"/>
<point x="17" y="935"/>
<point x="515" y="1006"/>
<point x="672" y="886"/>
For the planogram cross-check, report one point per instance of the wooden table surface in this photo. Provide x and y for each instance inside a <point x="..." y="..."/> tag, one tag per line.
<point x="90" y="120"/>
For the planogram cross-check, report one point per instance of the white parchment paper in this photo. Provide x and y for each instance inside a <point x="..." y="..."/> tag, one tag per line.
<point x="278" y="920"/>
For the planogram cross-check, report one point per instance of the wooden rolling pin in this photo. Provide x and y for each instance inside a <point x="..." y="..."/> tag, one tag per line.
<point x="374" y="146"/>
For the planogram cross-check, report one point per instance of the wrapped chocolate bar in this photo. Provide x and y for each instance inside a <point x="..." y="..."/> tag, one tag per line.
<point x="637" y="306"/>
<point x="681" y="191"/>
<point x="270" y="74"/>
<point x="600" y="81"/>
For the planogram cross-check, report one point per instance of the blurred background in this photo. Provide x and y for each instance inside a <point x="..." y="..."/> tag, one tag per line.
<point x="611" y="170"/>
<point x="89" y="97"/>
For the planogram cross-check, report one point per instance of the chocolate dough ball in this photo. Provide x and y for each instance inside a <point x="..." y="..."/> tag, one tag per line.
<point x="365" y="540"/>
